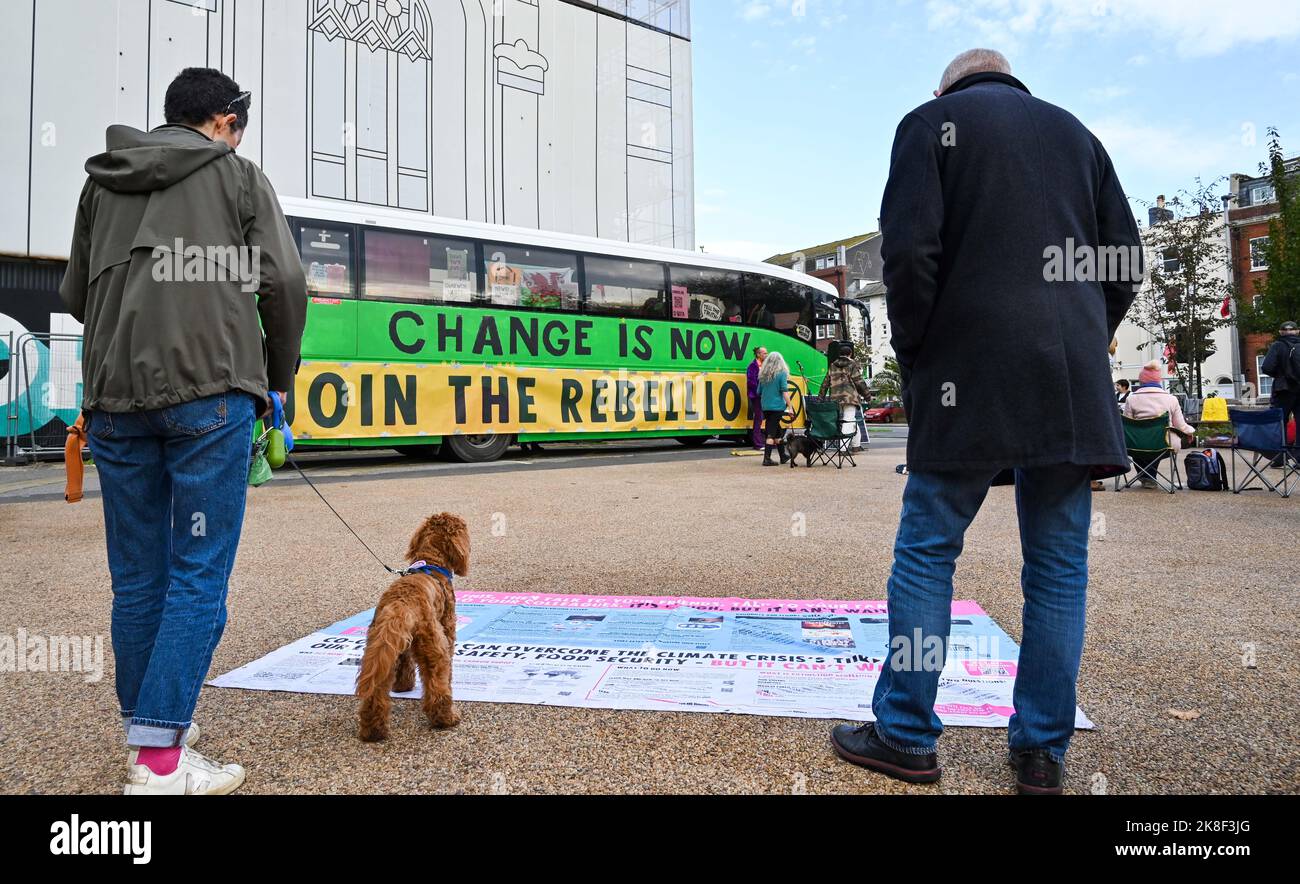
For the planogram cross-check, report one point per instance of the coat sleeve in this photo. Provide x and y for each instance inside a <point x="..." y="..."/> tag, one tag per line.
<point x="864" y="390"/>
<point x="76" y="278"/>
<point x="1272" y="363"/>
<point x="1116" y="227"/>
<point x="1178" y="421"/>
<point x="911" y="222"/>
<point x="282" y="287"/>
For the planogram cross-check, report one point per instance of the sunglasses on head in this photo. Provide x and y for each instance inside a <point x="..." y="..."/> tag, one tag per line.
<point x="238" y="99"/>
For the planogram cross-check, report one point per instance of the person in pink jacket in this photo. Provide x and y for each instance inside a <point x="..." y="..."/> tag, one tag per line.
<point x="1150" y="400"/>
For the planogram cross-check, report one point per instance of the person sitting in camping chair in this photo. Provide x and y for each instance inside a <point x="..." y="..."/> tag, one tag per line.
<point x="1151" y="400"/>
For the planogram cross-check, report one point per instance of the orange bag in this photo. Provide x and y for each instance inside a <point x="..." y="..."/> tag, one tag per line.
<point x="72" y="462"/>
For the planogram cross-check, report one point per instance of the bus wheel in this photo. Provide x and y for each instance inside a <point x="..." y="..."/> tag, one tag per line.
<point x="476" y="449"/>
<point x="694" y="441"/>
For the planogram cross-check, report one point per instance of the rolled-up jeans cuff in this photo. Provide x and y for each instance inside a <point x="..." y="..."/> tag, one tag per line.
<point x="155" y="734"/>
<point x="899" y="747"/>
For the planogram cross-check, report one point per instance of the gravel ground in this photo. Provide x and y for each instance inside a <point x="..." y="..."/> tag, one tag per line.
<point x="1181" y="588"/>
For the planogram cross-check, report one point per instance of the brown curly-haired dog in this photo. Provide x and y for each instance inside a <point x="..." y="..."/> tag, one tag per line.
<point x="415" y="625"/>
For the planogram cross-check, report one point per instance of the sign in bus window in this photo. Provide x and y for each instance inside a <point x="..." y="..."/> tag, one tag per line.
<point x="327" y="261"/>
<point x="534" y="278"/>
<point x="711" y="295"/>
<point x="416" y="267"/>
<point x="681" y="302"/>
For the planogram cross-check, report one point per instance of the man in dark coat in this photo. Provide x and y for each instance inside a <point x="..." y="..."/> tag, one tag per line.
<point x="1279" y="364"/>
<point x="1009" y="251"/>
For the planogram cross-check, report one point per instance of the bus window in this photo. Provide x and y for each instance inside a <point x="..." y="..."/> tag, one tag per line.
<point x="618" y="287"/>
<point x="418" y="267"/>
<point x="777" y="303"/>
<point x="327" y="259"/>
<point x="519" y="276"/>
<point x="705" y="295"/>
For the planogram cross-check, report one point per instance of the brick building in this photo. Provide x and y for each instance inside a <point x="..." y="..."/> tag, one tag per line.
<point x="853" y="266"/>
<point x="1252" y="205"/>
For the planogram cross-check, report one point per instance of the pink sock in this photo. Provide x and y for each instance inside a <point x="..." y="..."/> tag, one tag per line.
<point x="160" y="761"/>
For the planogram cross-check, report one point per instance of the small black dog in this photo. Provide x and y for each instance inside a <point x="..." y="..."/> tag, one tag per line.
<point x="799" y="443"/>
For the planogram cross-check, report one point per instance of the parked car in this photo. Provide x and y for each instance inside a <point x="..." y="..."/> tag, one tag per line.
<point x="886" y="412"/>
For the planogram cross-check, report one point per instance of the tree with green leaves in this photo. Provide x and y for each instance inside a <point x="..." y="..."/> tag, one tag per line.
<point x="1188" y="281"/>
<point x="1276" y="299"/>
<point x="888" y="382"/>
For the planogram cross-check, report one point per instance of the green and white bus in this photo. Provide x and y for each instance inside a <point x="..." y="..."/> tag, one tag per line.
<point x="439" y="335"/>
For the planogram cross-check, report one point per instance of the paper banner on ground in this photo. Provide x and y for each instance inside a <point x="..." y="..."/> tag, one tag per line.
<point x="798" y="658"/>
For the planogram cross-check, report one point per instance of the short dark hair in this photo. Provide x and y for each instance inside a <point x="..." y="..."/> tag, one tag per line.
<point x="1123" y="382"/>
<point x="199" y="94"/>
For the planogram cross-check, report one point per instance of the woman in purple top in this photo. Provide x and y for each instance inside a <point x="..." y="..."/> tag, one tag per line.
<point x="755" y="404"/>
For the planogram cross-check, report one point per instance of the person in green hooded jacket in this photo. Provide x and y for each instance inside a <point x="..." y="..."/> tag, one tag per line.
<point x="184" y="274"/>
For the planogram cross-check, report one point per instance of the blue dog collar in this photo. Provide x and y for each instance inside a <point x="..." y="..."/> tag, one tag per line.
<point x="425" y="568"/>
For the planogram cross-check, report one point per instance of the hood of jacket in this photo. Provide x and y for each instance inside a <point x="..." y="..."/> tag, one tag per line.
<point x="142" y="162"/>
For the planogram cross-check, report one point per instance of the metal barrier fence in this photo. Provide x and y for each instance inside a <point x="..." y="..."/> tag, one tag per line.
<point x="43" y="394"/>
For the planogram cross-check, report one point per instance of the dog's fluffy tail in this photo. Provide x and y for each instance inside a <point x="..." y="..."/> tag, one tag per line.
<point x="389" y="635"/>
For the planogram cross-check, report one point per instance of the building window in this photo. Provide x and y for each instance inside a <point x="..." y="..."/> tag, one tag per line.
<point x="1261" y="194"/>
<point x="1258" y="261"/>
<point x="363" y="149"/>
<point x="1170" y="261"/>
<point x="1265" y="382"/>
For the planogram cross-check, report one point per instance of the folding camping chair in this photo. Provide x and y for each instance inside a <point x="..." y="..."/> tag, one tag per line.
<point x="825" y="429"/>
<point x="1259" y="439"/>
<point x="1147" y="441"/>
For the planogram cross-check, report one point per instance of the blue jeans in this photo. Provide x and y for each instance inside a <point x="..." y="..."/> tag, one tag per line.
<point x="174" y="482"/>
<point x="1055" y="507"/>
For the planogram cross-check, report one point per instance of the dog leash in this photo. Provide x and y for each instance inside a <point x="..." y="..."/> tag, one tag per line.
<point x="404" y="572"/>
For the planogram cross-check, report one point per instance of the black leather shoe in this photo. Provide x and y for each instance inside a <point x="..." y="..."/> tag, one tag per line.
<point x="1037" y="773"/>
<point x="861" y="746"/>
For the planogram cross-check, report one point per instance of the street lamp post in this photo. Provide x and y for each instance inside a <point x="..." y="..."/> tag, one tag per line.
<point x="1228" y="199"/>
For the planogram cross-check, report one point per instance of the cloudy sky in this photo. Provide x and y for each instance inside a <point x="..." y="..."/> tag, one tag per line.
<point x="796" y="101"/>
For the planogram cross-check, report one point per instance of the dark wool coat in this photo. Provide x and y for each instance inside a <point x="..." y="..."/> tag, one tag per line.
<point x="1003" y="367"/>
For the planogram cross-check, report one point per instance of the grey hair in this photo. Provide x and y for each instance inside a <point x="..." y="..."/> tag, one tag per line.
<point x="974" y="61"/>
<point x="772" y="366"/>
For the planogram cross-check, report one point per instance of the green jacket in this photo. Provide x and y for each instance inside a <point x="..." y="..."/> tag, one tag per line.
<point x="179" y="248"/>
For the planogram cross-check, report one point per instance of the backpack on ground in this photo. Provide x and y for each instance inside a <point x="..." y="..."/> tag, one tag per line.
<point x="1206" y="471"/>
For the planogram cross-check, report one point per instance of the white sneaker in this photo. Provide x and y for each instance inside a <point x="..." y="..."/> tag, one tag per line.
<point x="191" y="737"/>
<point x="194" y="775"/>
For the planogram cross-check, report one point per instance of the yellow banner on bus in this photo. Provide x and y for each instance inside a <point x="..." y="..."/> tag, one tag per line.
<point x="334" y="400"/>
